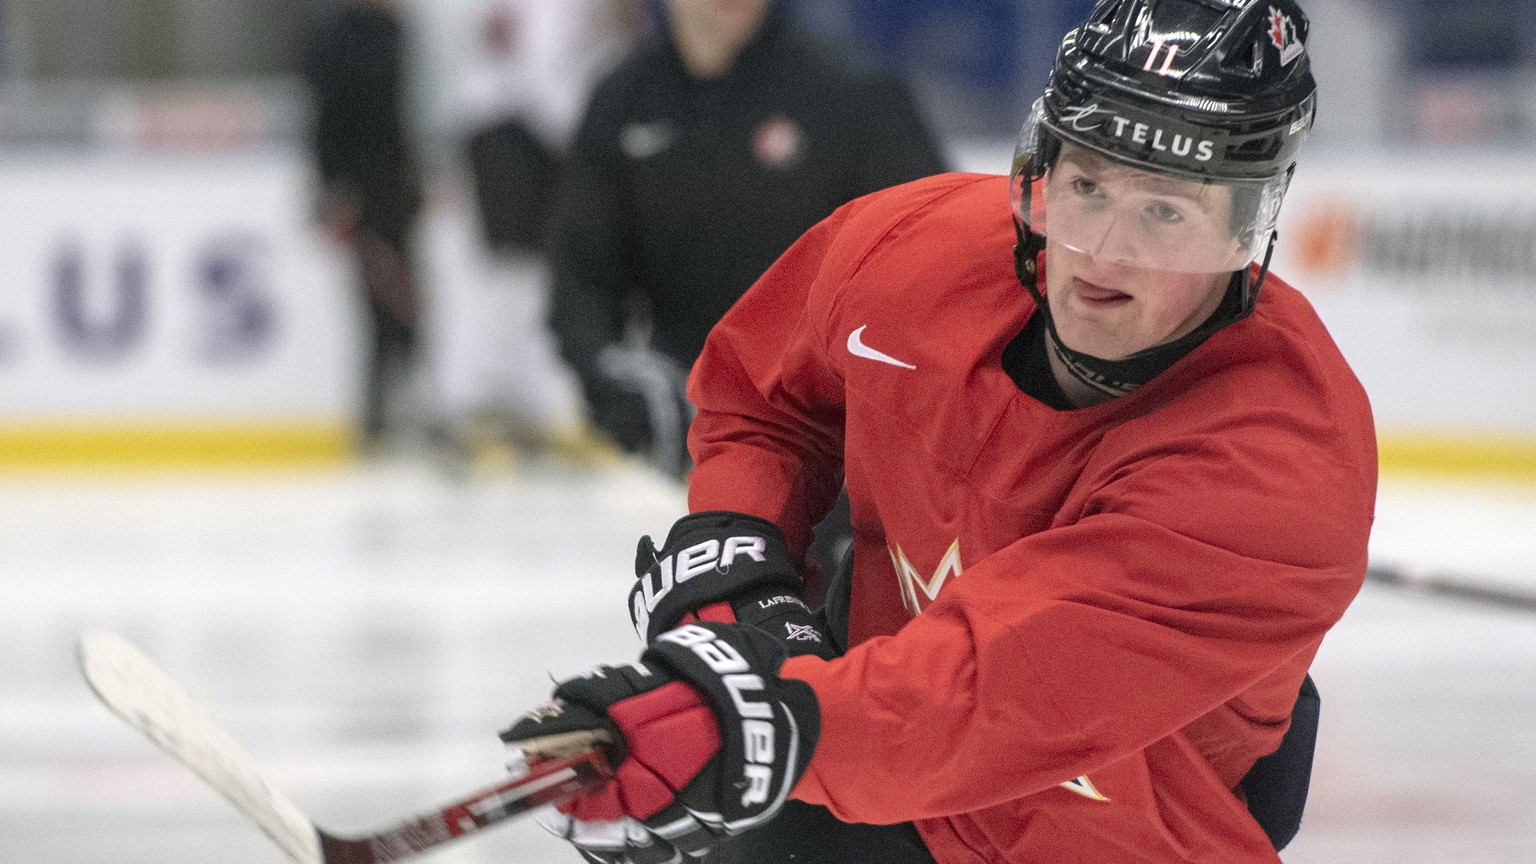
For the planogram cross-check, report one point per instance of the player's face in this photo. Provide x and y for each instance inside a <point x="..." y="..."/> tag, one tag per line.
<point x="1111" y="310"/>
<point x="729" y="24"/>
<point x="1133" y="259"/>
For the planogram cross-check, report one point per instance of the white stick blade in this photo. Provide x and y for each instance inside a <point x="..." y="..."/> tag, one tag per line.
<point x="149" y="700"/>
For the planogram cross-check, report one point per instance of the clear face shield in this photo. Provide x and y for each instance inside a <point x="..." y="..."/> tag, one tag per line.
<point x="1089" y="203"/>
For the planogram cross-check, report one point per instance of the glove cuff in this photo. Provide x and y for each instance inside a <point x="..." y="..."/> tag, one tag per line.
<point x="782" y="614"/>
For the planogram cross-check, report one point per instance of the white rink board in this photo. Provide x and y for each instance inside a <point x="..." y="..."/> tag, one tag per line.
<point x="181" y="289"/>
<point x="1423" y="266"/>
<point x="192" y="288"/>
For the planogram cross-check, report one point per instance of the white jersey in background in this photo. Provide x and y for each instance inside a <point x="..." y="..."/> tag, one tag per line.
<point x="532" y="62"/>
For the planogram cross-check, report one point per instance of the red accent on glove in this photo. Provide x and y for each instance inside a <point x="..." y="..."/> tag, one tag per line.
<point x="603" y="805"/>
<point x="721" y="612"/>
<point x="671" y="733"/>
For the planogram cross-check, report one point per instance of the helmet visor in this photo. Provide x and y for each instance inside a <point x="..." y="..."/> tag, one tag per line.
<point x="1086" y="200"/>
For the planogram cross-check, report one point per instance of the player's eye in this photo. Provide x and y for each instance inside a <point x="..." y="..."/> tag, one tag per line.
<point x="1085" y="187"/>
<point x="1164" y="213"/>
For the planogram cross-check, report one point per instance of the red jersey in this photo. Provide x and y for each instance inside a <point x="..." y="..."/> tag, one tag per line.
<point x="1073" y="632"/>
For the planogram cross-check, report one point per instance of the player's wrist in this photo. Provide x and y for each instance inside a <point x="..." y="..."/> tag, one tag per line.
<point x="783" y="615"/>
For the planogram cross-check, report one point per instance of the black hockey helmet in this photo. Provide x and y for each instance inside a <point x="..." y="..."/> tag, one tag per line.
<point x="1214" y="92"/>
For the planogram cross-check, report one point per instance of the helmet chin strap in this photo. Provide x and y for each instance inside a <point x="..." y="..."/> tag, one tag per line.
<point x="1119" y="377"/>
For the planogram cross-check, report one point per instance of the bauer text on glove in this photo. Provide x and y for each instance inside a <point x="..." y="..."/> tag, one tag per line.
<point x="724" y="566"/>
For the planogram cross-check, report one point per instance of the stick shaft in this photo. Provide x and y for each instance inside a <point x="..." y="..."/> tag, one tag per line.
<point x="546" y="783"/>
<point x="1446" y="585"/>
<point x="149" y="700"/>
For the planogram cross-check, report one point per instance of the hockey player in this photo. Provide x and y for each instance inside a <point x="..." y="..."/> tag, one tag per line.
<point x="1111" y="484"/>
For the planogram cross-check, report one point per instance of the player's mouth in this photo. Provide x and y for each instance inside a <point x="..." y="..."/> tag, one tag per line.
<point x="1098" y="296"/>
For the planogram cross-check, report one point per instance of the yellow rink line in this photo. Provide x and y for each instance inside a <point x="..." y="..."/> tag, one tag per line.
<point x="235" y="445"/>
<point x="1449" y="454"/>
<point x="318" y="444"/>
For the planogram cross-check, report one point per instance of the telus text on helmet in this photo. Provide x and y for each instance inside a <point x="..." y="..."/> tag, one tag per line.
<point x="1092" y="118"/>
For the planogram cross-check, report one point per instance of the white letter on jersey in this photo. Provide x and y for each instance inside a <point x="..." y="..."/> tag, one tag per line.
<point x="917" y="592"/>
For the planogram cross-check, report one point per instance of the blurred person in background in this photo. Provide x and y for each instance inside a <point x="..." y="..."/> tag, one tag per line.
<point x="518" y="100"/>
<point x="699" y="160"/>
<point x="370" y="191"/>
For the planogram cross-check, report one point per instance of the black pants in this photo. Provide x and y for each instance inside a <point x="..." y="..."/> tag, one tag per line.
<point x="807" y="834"/>
<point x="391" y="356"/>
<point x="391" y="298"/>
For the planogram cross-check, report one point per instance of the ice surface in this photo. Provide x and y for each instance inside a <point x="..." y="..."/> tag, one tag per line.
<point x="366" y="632"/>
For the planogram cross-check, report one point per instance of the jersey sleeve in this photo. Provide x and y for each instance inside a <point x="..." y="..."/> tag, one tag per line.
<point x="769" y="386"/>
<point x="767" y="439"/>
<point x="1197" y="570"/>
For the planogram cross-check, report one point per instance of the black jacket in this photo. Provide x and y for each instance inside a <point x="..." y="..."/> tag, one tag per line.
<point x="681" y="192"/>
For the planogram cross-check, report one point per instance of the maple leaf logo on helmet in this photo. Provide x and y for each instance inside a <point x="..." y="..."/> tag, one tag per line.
<point x="1282" y="32"/>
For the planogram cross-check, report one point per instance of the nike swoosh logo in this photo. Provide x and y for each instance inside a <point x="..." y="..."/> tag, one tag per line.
<point x="857" y="348"/>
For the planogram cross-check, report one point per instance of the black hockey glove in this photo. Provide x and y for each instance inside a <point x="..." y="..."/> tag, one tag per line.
<point x="724" y="566"/>
<point x="708" y="742"/>
<point x="638" y="399"/>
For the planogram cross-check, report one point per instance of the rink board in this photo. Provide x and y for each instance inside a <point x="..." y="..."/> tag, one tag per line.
<point x="181" y="309"/>
<point x="172" y="309"/>
<point x="1423" y="266"/>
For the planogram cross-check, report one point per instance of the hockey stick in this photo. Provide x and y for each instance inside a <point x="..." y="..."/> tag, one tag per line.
<point x="148" y="699"/>
<point x="1446" y="585"/>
